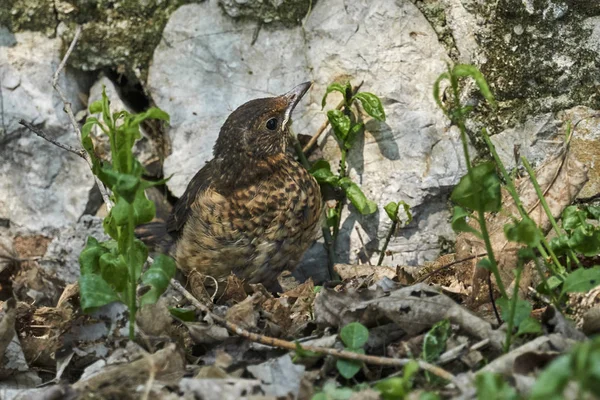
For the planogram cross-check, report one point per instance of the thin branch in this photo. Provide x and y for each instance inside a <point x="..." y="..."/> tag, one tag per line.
<point x="313" y="140"/>
<point x="443" y="267"/>
<point x="69" y="110"/>
<point x="79" y="152"/>
<point x="284" y="344"/>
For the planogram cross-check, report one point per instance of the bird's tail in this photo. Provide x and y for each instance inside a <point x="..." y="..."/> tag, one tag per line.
<point x="155" y="236"/>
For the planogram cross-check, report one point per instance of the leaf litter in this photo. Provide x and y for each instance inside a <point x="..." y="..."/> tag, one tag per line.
<point x="182" y="352"/>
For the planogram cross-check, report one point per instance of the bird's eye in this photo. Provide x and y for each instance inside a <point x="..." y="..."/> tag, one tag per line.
<point x="272" y="124"/>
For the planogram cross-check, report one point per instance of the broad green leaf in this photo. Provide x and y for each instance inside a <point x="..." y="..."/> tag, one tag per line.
<point x="585" y="240"/>
<point x="582" y="280"/>
<point x="372" y="105"/>
<point x="336" y="87"/>
<point x="560" y="244"/>
<point x="95" y="292"/>
<point x="353" y="135"/>
<point x="89" y="258"/>
<point x="573" y="217"/>
<point x="114" y="271"/>
<point x="524" y="231"/>
<point x="158" y="277"/>
<point x="481" y="194"/>
<point x="354" y="335"/>
<point x="321" y="170"/>
<point x="357" y="197"/>
<point x="391" y="210"/>
<point x="529" y="325"/>
<point x="465" y="70"/>
<point x="522" y="310"/>
<point x="593" y="212"/>
<point x="340" y="123"/>
<point x="434" y="342"/>
<point x="460" y="224"/>
<point x="552" y="381"/>
<point x="349" y="368"/>
<point x="492" y="386"/>
<point x="183" y="314"/>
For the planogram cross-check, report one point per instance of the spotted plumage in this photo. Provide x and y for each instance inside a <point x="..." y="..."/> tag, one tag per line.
<point x="253" y="209"/>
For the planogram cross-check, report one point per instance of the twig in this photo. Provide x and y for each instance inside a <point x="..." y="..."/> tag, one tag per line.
<point x="443" y="267"/>
<point x="79" y="152"/>
<point x="69" y="110"/>
<point x="284" y="344"/>
<point x="314" y="139"/>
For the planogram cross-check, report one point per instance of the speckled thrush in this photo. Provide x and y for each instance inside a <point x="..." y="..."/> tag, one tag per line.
<point x="253" y="209"/>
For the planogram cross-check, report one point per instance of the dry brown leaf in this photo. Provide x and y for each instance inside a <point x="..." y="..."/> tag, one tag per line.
<point x="560" y="180"/>
<point x="246" y="313"/>
<point x="234" y="291"/>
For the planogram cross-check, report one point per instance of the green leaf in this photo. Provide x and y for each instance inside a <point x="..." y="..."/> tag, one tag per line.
<point x="124" y="185"/>
<point x="391" y="210"/>
<point x="337" y="87"/>
<point x="158" y="277"/>
<point x="321" y="170"/>
<point x="95" y="292"/>
<point x="582" y="280"/>
<point x="89" y="258"/>
<point x="183" y="314"/>
<point x="372" y="105"/>
<point x="301" y="353"/>
<point x="465" y="70"/>
<point x="460" y="224"/>
<point x="585" y="240"/>
<point x="524" y="231"/>
<point x="572" y="217"/>
<point x="434" y="342"/>
<point x="560" y="244"/>
<point x="593" y="212"/>
<point x="151" y="113"/>
<point x="481" y="194"/>
<point x="492" y="386"/>
<point x="357" y="197"/>
<point x="340" y="123"/>
<point x="331" y="215"/>
<point x="349" y="368"/>
<point x="485" y="263"/>
<point x="429" y="396"/>
<point x="354" y="335"/>
<point x="529" y="325"/>
<point x="553" y="380"/>
<point x="114" y="270"/>
<point x="353" y="135"/>
<point x="522" y="310"/>
<point x="96" y="107"/>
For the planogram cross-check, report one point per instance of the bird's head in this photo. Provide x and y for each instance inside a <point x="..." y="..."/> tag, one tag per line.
<point x="259" y="129"/>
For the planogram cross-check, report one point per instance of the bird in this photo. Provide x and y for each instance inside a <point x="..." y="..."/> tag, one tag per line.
<point x="252" y="210"/>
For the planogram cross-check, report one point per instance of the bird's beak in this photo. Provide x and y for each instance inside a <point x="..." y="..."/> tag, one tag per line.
<point x="293" y="98"/>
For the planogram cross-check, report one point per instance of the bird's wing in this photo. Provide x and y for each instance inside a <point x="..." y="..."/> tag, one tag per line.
<point x="199" y="183"/>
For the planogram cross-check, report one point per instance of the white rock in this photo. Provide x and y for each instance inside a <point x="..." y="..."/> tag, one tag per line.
<point x="412" y="157"/>
<point x="40" y="184"/>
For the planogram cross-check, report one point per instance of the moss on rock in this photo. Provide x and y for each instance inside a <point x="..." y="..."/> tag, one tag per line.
<point x="284" y="11"/>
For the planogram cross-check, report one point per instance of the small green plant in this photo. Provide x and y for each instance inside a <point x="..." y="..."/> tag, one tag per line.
<point x="111" y="270"/>
<point x="346" y="129"/>
<point x="392" y="210"/>
<point x="397" y="388"/>
<point x="434" y="343"/>
<point x="354" y="336"/>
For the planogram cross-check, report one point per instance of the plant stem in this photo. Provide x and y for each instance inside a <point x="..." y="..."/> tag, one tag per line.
<point x="387" y="241"/>
<point x="513" y="307"/>
<point x="544" y="204"/>
<point x="480" y="212"/>
<point x="132" y="274"/>
<point x="329" y="246"/>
